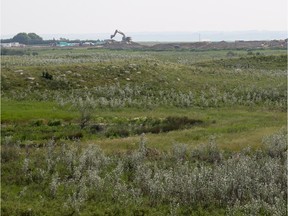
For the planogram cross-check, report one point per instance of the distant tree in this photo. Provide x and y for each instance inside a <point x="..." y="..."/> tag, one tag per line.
<point x="25" y="38"/>
<point x="34" y="36"/>
<point x="21" y="38"/>
<point x="7" y="40"/>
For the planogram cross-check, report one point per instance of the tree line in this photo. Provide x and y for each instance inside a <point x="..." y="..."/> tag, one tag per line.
<point x="34" y="39"/>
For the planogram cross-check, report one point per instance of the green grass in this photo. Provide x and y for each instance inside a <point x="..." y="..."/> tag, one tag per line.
<point x="234" y="128"/>
<point x="25" y="111"/>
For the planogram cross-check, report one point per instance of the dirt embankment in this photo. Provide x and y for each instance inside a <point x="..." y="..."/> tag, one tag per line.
<point x="274" y="44"/>
<point x="123" y="45"/>
<point x="223" y="45"/>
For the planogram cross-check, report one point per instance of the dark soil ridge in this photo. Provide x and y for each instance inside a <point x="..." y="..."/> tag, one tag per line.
<point x="205" y="45"/>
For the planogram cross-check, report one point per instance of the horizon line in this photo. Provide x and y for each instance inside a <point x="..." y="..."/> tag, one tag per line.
<point x="165" y="36"/>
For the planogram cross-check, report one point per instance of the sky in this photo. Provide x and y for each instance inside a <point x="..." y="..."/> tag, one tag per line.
<point x="95" y="16"/>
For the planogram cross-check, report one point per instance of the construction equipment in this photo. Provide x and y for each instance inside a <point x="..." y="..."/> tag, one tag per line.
<point x="124" y="38"/>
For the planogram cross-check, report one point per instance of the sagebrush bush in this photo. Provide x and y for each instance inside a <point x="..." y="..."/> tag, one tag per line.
<point x="9" y="150"/>
<point x="207" y="152"/>
<point x="276" y="144"/>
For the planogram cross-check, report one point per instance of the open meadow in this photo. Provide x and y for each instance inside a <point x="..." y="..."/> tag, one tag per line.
<point x="87" y="131"/>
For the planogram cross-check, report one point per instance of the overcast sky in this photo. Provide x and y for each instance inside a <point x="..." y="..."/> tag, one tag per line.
<point x="95" y="16"/>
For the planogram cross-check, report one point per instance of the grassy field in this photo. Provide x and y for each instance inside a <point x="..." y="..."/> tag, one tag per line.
<point x="94" y="120"/>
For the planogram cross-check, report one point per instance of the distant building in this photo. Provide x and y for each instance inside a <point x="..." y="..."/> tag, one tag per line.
<point x="98" y="42"/>
<point x="13" y="44"/>
<point x="64" y="44"/>
<point x="6" y="45"/>
<point x="87" y="44"/>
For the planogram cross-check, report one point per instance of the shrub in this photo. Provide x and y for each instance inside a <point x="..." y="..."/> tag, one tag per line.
<point x="10" y="150"/>
<point x="54" y="123"/>
<point x="85" y="107"/>
<point x="276" y="144"/>
<point x="180" y="151"/>
<point x="117" y="132"/>
<point x="38" y="122"/>
<point x="207" y="152"/>
<point x="165" y="125"/>
<point x="231" y="54"/>
<point x="96" y="128"/>
<point x="175" y="123"/>
<point x="250" y="52"/>
<point x="46" y="75"/>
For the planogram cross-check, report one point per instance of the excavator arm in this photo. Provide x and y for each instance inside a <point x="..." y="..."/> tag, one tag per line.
<point x="119" y="32"/>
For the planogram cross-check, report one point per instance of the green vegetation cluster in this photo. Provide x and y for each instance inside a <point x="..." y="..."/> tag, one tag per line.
<point x="72" y="120"/>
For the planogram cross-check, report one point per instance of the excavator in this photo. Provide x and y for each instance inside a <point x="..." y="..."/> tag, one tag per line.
<point x="124" y="38"/>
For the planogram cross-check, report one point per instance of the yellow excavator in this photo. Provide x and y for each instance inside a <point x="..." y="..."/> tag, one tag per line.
<point x="124" y="38"/>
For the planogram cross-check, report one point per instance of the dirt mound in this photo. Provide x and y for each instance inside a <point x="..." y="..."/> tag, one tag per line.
<point x="123" y="45"/>
<point x="222" y="45"/>
<point x="204" y="45"/>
